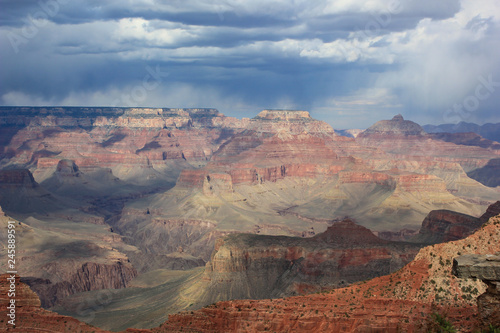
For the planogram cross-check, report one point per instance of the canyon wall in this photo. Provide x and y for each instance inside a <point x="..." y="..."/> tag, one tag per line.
<point x="90" y="276"/>
<point x="403" y="301"/>
<point x="258" y="266"/>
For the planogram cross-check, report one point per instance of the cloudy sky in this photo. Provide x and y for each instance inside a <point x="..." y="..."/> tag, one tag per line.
<point x="349" y="62"/>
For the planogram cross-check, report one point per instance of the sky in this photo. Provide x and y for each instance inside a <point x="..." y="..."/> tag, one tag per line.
<point x="348" y="62"/>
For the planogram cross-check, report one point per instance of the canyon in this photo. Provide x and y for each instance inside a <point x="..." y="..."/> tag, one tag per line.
<point x="206" y="208"/>
<point x="410" y="299"/>
<point x="405" y="300"/>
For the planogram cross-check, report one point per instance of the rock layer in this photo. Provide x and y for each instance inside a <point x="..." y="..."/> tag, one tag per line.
<point x="394" y="127"/>
<point x="444" y="226"/>
<point x="258" y="266"/>
<point x="29" y="317"/>
<point x="487" y="269"/>
<point x="90" y="276"/>
<point x="112" y="137"/>
<point x="403" y="301"/>
<point x="16" y="178"/>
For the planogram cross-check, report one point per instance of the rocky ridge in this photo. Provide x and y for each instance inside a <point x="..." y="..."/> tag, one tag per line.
<point x="467" y="139"/>
<point x="90" y="276"/>
<point x="488" y="174"/>
<point x="62" y="257"/>
<point x="489" y="131"/>
<point x="30" y="317"/>
<point x="404" y="300"/>
<point x="258" y="266"/>
<point x="118" y="138"/>
<point x="285" y="161"/>
<point x="491" y="211"/>
<point x="234" y="175"/>
<point x="444" y="226"/>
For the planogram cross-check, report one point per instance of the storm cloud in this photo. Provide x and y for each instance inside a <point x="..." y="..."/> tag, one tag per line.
<point x="350" y="63"/>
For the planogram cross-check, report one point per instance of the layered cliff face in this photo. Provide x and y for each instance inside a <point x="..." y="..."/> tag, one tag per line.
<point x="276" y="157"/>
<point x="282" y="173"/>
<point x="402" y="145"/>
<point x="397" y="126"/>
<point x="286" y="174"/>
<point x="289" y="122"/>
<point x="444" y="226"/>
<point x="29" y="317"/>
<point x="58" y="256"/>
<point x="407" y="141"/>
<point x="90" y="276"/>
<point x="255" y="266"/>
<point x="403" y="301"/>
<point x="16" y="178"/>
<point x="118" y="138"/>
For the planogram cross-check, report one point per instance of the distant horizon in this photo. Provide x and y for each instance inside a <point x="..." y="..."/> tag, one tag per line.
<point x="227" y="115"/>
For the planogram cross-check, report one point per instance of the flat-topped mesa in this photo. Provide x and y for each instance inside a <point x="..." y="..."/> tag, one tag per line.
<point x="112" y="137"/>
<point x="284" y="115"/>
<point x="290" y="122"/>
<point x="115" y="116"/>
<point x="396" y="126"/>
<point x="92" y="112"/>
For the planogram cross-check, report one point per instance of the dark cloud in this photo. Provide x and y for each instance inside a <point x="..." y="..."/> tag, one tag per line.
<point x="334" y="58"/>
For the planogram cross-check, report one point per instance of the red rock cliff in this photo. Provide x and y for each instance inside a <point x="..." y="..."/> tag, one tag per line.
<point x="29" y="317"/>
<point x="403" y="301"/>
<point x="444" y="226"/>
